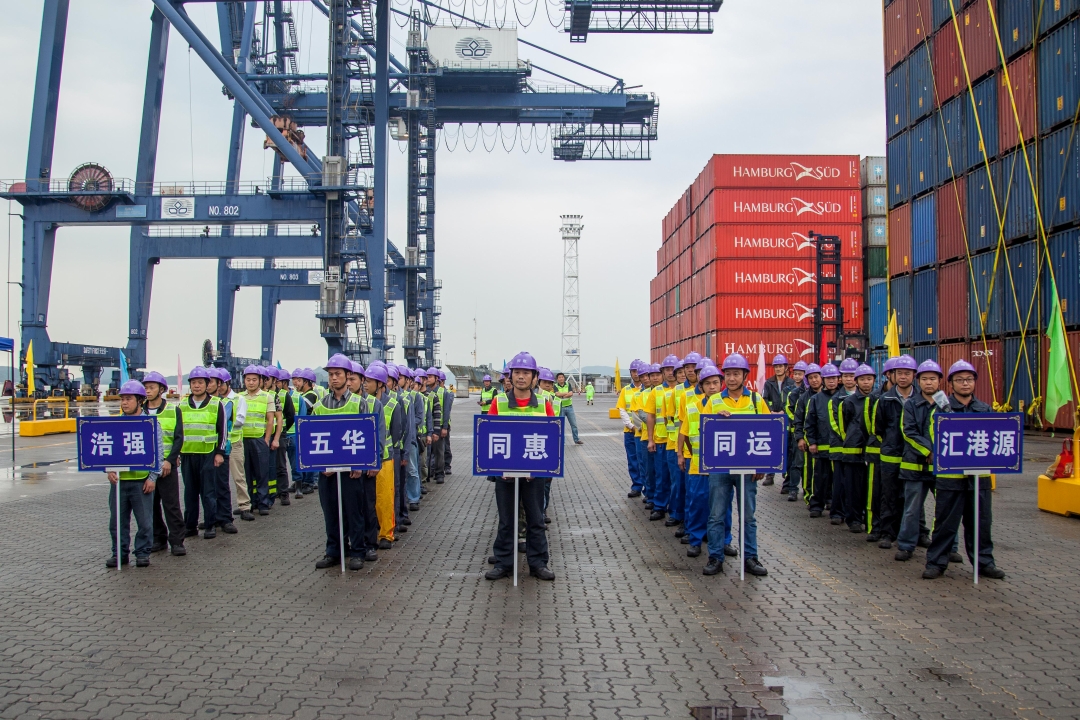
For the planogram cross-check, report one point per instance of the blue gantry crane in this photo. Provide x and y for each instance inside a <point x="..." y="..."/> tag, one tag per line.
<point x="318" y="234"/>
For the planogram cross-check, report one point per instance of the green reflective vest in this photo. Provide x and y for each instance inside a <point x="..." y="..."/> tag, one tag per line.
<point x="200" y="426"/>
<point x="567" y="401"/>
<point x="486" y="396"/>
<point x="291" y="392"/>
<point x="544" y="395"/>
<point x="236" y="434"/>
<point x="388" y="414"/>
<point x="134" y="475"/>
<point x="352" y="406"/>
<point x="257" y="407"/>
<point x="167" y="420"/>
<point x="505" y="408"/>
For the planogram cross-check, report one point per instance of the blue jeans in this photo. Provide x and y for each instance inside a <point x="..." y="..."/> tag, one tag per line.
<point x="662" y="488"/>
<point x="914" y="499"/>
<point x="722" y="489"/>
<point x="645" y="460"/>
<point x="133" y="501"/>
<point x="412" y="471"/>
<point x="677" y="483"/>
<point x="696" y="516"/>
<point x="630" y="445"/>
<point x="568" y="411"/>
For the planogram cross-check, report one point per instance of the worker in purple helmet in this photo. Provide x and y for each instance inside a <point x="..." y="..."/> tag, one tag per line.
<point x="169" y="526"/>
<point x="837" y="509"/>
<point x="816" y="430"/>
<point x="851" y="469"/>
<point x="887" y="417"/>
<point x="623" y="405"/>
<point x="135" y="490"/>
<point x="775" y="393"/>
<point x="306" y="397"/>
<point x="279" y="445"/>
<point x="791" y="397"/>
<point x="416" y="414"/>
<point x="448" y="450"/>
<point x="439" y="449"/>
<point x="205" y="437"/>
<point x="916" y="465"/>
<point x="802" y="468"/>
<point x="955" y="493"/>
<point x="219" y="388"/>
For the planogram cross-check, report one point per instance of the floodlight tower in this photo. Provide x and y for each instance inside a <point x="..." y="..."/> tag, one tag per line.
<point x="571" y="327"/>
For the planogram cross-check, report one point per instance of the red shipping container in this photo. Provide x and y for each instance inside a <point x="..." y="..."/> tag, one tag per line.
<point x="776" y="241"/>
<point x="980" y="45"/>
<point x="1067" y="414"/>
<point x="782" y="277"/>
<point x="949" y="77"/>
<point x="821" y="172"/>
<point x="685" y="237"/>
<point x="811" y="208"/>
<point x="953" y="283"/>
<point x="948" y="353"/>
<point x="685" y="295"/>
<point x="703" y="216"/>
<point x="780" y="312"/>
<point x="951" y="206"/>
<point x="897" y="44"/>
<point x="686" y="266"/>
<point x="920" y="21"/>
<point x="703" y="284"/>
<point x="988" y="360"/>
<point x="900" y="240"/>
<point x="697" y="321"/>
<point x="1022" y="78"/>
<point x="794" y="344"/>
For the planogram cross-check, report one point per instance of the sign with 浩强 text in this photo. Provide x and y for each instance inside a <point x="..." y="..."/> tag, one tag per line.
<point x="338" y="441"/>
<point x="122" y="441"/>
<point x="755" y="443"/>
<point x="993" y="442"/>
<point x="530" y="445"/>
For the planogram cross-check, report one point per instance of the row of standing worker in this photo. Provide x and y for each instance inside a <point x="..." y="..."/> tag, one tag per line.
<point x="859" y="450"/>
<point x="226" y="444"/>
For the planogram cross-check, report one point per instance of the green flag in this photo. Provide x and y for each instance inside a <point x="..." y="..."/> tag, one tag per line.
<point x="1058" y="380"/>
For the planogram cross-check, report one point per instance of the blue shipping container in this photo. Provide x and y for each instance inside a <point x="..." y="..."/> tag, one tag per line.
<point x="877" y="361"/>
<point x="1065" y="259"/>
<point x="920" y="82"/>
<point x="1059" y="75"/>
<point x="898" y="161"/>
<point x="942" y="12"/>
<point x="981" y="297"/>
<point x="878" y="300"/>
<point x="924" y="231"/>
<point x="923" y="156"/>
<point x="1023" y="269"/>
<point x="986" y="100"/>
<point x="1054" y="11"/>
<point x="925" y="306"/>
<point x="1021" y="369"/>
<point x="900" y="292"/>
<point x="1015" y="194"/>
<point x="1061" y="178"/>
<point x="953" y="149"/>
<point x="1015" y="20"/>
<point x="897" y="100"/>
<point x="982" y="218"/>
<point x="922" y="353"/>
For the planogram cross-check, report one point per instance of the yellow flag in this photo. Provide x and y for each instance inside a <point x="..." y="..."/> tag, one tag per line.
<point x="618" y="377"/>
<point x="30" y="369"/>
<point x="892" y="337"/>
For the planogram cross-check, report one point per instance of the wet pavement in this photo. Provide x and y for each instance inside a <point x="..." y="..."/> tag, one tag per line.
<point x="244" y="626"/>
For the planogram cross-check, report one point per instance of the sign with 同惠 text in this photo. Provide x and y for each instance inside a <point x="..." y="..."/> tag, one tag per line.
<point x="756" y="443"/>
<point x="338" y="441"/>
<point x="993" y="442"/>
<point x="121" y="441"/>
<point x="523" y="445"/>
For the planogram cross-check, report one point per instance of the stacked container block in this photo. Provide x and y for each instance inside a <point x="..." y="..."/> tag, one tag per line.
<point x="983" y="186"/>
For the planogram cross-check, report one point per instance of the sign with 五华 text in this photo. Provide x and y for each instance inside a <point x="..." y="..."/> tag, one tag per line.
<point x="121" y="441"/>
<point x="338" y="441"/>
<point x="993" y="442"/>
<point x="756" y="443"/>
<point x="531" y="445"/>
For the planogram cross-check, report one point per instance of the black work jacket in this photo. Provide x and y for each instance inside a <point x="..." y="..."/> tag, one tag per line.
<point x="887" y="425"/>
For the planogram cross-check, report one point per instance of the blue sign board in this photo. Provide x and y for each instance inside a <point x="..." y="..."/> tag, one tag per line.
<point x="121" y="441"/>
<point x="993" y="442"/>
<point x="337" y="441"/>
<point x="756" y="443"/>
<point x="517" y="446"/>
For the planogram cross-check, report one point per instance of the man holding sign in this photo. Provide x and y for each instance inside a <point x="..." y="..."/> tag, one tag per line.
<point x="521" y="400"/>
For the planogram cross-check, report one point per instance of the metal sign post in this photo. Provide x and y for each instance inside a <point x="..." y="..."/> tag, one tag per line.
<point x="743" y="445"/>
<point x="338" y="444"/>
<point x="975" y="445"/>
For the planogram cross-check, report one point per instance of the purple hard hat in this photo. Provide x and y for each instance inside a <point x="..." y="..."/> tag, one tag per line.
<point x="522" y="361"/>
<point x="358" y="369"/>
<point x="692" y="358"/>
<point x="378" y="373"/>
<point x="442" y="375"/>
<point x="252" y="370"/>
<point x="405" y="371"/>
<point x="487" y="378"/>
<point x="864" y="369"/>
<point x="309" y="374"/>
<point x="199" y="373"/>
<point x="432" y="371"/>
<point x="813" y="369"/>
<point x="929" y="366"/>
<point x="297" y="373"/>
<point x="962" y="366"/>
<point x="655" y="368"/>
<point x="265" y="371"/>
<point x="889" y="365"/>
<point x="546" y="374"/>
<point x="155" y="377"/>
<point x="703" y="363"/>
<point x="392" y="371"/>
<point x="849" y="365"/>
<point x="338" y="361"/>
<point x="419" y="373"/>
<point x="801" y="365"/>
<point x="735" y="361"/>
<point x="780" y="360"/>
<point x="133" y="387"/>
<point x="829" y="370"/>
<point x="224" y="375"/>
<point x="671" y="361"/>
<point x="707" y="372"/>
<point x="905" y="362"/>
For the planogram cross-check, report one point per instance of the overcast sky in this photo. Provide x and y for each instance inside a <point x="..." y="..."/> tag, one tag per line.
<point x="777" y="76"/>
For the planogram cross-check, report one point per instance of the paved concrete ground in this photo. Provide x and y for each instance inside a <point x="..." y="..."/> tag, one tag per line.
<point x="244" y="626"/>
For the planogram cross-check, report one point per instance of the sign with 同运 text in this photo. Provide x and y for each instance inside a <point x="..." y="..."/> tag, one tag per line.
<point x="338" y="441"/>
<point x="993" y="442"/>
<point x="756" y="443"/>
<point x="121" y="441"/>
<point x="531" y="445"/>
